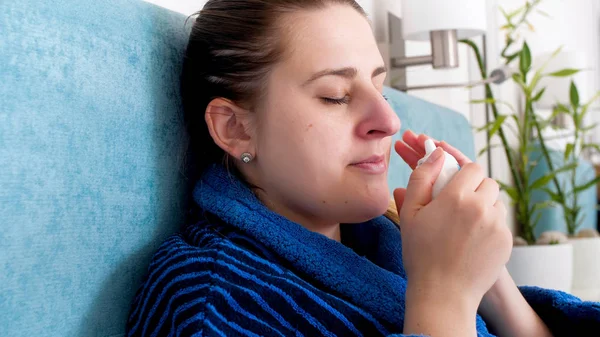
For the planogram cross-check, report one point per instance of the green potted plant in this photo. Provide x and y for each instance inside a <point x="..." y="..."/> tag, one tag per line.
<point x="547" y="260"/>
<point x="586" y="242"/>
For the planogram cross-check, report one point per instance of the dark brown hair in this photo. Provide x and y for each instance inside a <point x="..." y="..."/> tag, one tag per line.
<point x="232" y="47"/>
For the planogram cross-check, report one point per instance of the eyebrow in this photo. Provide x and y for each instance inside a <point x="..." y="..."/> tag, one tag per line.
<point x="348" y="73"/>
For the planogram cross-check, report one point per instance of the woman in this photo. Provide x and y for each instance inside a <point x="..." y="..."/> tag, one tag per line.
<point x="293" y="137"/>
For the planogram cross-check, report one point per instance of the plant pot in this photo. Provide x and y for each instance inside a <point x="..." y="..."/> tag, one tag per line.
<point x="546" y="266"/>
<point x="586" y="268"/>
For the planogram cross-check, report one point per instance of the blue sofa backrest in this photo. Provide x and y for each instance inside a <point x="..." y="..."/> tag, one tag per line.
<point x="90" y="141"/>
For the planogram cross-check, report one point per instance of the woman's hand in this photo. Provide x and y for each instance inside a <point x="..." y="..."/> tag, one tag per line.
<point x="454" y="247"/>
<point x="412" y="148"/>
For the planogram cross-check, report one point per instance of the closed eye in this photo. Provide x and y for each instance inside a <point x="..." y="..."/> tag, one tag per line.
<point x="340" y="101"/>
<point x="343" y="100"/>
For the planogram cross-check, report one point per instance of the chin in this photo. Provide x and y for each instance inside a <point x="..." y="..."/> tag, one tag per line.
<point x="368" y="207"/>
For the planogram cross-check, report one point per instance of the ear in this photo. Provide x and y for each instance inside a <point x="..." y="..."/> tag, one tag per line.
<point x="228" y="125"/>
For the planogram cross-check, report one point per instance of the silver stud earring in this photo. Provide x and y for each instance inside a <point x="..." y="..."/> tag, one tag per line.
<point x="246" y="157"/>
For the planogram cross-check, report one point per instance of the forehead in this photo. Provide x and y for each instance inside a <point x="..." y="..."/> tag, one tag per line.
<point x="332" y="37"/>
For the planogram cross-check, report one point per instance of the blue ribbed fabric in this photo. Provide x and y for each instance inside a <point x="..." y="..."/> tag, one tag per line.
<point x="243" y="270"/>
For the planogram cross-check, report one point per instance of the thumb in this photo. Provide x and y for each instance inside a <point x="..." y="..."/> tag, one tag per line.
<point x="399" y="195"/>
<point x="420" y="184"/>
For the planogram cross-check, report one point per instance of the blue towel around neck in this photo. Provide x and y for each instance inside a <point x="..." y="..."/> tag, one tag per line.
<point x="244" y="270"/>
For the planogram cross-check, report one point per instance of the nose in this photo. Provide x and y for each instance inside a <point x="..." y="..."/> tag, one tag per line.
<point x="379" y="119"/>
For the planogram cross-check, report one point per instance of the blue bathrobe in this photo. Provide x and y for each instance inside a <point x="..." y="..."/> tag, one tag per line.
<point x="243" y="270"/>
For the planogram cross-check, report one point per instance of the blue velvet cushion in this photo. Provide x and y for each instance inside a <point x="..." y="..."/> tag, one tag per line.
<point x="90" y="137"/>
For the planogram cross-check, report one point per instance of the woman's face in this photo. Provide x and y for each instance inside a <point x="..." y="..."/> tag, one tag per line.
<point x="324" y="112"/>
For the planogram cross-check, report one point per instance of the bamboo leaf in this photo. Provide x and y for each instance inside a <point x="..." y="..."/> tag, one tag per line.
<point x="485" y="127"/>
<point x="580" y="221"/>
<point x="493" y="101"/>
<point x="517" y="121"/>
<point x="540" y="182"/>
<point x="537" y="76"/>
<point x="535" y="222"/>
<point x="564" y="72"/>
<point x="566" y="168"/>
<point x="553" y="195"/>
<point x="525" y="59"/>
<point x="518" y="78"/>
<point x="587" y="185"/>
<point x="487" y="148"/>
<point x="544" y="180"/>
<point x="562" y="108"/>
<point x="539" y="73"/>
<point x="514" y="13"/>
<point x="589" y="127"/>
<point x="556" y="52"/>
<point x="544" y="123"/>
<point x="497" y="125"/>
<point x="530" y="26"/>
<point x="568" y="150"/>
<point x="510" y="190"/>
<point x="593" y="146"/>
<point x="542" y="13"/>
<point x="511" y="57"/>
<point x="587" y="105"/>
<point x="593" y="99"/>
<point x="483" y="101"/>
<point x="538" y="206"/>
<point x="574" y="95"/>
<point x="538" y="95"/>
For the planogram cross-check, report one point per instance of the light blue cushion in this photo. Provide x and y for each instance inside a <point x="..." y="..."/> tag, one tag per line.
<point x="90" y="137"/>
<point x="90" y="134"/>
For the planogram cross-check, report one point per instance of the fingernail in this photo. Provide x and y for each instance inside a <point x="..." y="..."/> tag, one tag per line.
<point x="435" y="155"/>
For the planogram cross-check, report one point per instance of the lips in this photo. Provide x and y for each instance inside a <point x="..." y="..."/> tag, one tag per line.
<point x="371" y="159"/>
<point x="372" y="165"/>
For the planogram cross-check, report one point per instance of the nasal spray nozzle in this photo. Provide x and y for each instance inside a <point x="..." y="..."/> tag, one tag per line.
<point x="448" y="171"/>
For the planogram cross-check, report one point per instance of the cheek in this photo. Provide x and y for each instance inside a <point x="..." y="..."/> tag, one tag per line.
<point x="305" y="128"/>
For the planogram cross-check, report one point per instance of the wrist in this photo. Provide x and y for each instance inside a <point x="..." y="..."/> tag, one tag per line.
<point x="507" y="312"/>
<point x="439" y="311"/>
<point x="500" y="295"/>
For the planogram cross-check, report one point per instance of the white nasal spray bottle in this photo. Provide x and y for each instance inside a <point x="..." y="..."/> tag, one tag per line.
<point x="448" y="171"/>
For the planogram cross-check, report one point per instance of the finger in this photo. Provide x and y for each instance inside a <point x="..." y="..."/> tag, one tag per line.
<point x="501" y="207"/>
<point x="407" y="153"/>
<point x="421" y="141"/>
<point x="420" y="184"/>
<point x="409" y="137"/>
<point x="468" y="178"/>
<point x="416" y="142"/>
<point x="488" y="191"/>
<point x="399" y="195"/>
<point x="459" y="156"/>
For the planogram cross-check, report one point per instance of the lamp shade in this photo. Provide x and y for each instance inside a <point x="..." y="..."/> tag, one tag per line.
<point x="420" y="17"/>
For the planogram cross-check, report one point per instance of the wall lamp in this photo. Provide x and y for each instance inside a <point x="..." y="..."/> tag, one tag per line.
<point x="443" y="23"/>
